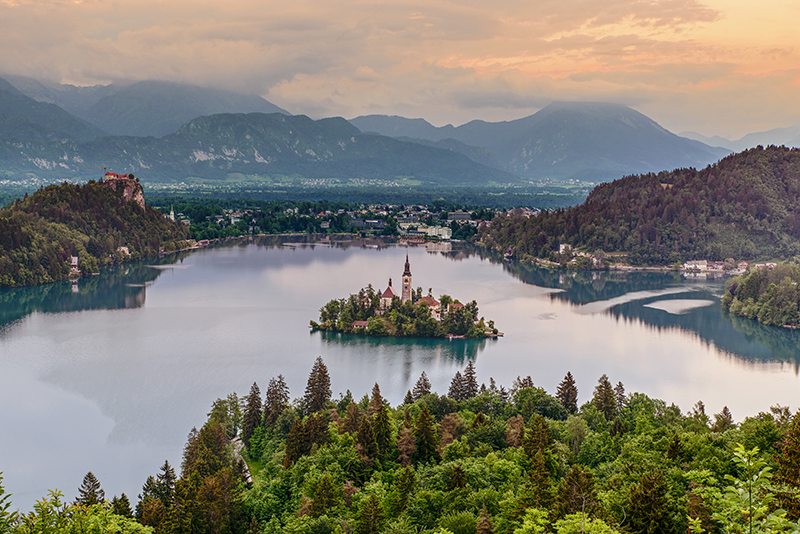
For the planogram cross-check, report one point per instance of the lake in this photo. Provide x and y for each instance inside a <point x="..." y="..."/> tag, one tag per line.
<point x="110" y="374"/>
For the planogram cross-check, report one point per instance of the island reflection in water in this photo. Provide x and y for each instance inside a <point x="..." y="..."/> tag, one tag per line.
<point x="456" y="350"/>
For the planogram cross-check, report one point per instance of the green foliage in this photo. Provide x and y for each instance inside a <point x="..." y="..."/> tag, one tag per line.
<point x="745" y="207"/>
<point x="409" y="319"/>
<point x="39" y="234"/>
<point x="7" y="517"/>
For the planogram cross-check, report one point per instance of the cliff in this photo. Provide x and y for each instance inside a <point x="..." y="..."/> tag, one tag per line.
<point x="127" y="185"/>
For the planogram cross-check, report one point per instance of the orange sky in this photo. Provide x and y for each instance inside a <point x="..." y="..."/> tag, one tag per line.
<point x="717" y="67"/>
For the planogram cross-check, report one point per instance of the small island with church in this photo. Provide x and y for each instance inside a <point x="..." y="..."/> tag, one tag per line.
<point x="409" y="314"/>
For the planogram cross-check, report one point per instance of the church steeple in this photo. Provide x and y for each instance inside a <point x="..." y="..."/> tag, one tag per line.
<point x="406" y="294"/>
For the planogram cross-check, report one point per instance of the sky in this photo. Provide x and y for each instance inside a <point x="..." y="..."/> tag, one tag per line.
<point x="717" y="67"/>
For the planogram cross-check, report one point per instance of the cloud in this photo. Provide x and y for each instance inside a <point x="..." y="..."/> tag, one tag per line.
<point x="449" y="61"/>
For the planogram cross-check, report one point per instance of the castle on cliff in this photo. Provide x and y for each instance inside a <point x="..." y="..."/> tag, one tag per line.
<point x="128" y="184"/>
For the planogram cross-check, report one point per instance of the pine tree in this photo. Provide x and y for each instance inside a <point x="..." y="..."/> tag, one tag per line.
<point x="294" y="444"/>
<point x="408" y="399"/>
<point x="604" y="398"/>
<point x="405" y="486"/>
<point x="318" y="388"/>
<point x="370" y="516"/>
<point x="787" y="476"/>
<point x="458" y="478"/>
<point x="576" y="493"/>
<point x="376" y="401"/>
<point x="325" y="496"/>
<point x="382" y="428"/>
<point x="567" y="393"/>
<point x="537" y="437"/>
<point x="675" y="449"/>
<point x="277" y="398"/>
<point x="622" y="400"/>
<point x="121" y="506"/>
<point x="406" y="446"/>
<point x="422" y="387"/>
<point x="470" y="381"/>
<point x="537" y="492"/>
<point x="352" y="418"/>
<point x="456" y="391"/>
<point x="90" y="491"/>
<point x="165" y="484"/>
<point x="723" y="420"/>
<point x="252" y="414"/>
<point x="425" y="436"/>
<point x="365" y="441"/>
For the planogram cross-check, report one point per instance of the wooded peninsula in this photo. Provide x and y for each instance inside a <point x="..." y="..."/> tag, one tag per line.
<point x="480" y="459"/>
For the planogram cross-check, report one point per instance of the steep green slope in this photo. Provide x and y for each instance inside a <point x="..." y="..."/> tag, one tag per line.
<point x="746" y="206"/>
<point x="40" y="233"/>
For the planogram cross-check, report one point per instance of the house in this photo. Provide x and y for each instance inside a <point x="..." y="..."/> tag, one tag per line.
<point x="459" y="216"/>
<point x="73" y="264"/>
<point x="360" y="324"/>
<point x="434" y="306"/>
<point x="564" y="248"/>
<point x="742" y="265"/>
<point x="696" y="265"/>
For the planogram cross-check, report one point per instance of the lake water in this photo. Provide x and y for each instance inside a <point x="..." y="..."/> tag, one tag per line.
<point x="110" y="375"/>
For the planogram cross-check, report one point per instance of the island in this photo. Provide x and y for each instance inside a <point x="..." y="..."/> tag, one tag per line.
<point x="409" y="314"/>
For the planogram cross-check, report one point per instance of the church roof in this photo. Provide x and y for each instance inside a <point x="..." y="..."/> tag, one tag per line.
<point x="389" y="293"/>
<point x="430" y="301"/>
<point x="407" y="272"/>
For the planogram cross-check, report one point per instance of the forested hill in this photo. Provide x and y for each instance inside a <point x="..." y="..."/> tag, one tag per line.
<point x="40" y="233"/>
<point x="744" y="207"/>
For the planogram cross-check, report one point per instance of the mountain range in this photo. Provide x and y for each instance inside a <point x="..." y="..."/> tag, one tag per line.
<point x="789" y="137"/>
<point x="172" y="132"/>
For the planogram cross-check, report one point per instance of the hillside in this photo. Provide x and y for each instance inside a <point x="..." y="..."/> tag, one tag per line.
<point x="270" y="146"/>
<point x="146" y="108"/>
<point x="39" y="233"/>
<point x="565" y="140"/>
<point x="746" y="206"/>
<point x="22" y="118"/>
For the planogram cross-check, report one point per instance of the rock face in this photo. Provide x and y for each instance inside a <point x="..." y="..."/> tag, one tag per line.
<point x="128" y="184"/>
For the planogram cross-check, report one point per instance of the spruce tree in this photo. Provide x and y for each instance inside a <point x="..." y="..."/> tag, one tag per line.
<point x="90" y="492"/>
<point x="537" y="492"/>
<point x="408" y="399"/>
<point x="458" y="478"/>
<point x="294" y="444"/>
<point x="382" y="428"/>
<point x="121" y="506"/>
<point x="325" y="496"/>
<point x="619" y="393"/>
<point x="165" y="484"/>
<point x="456" y="391"/>
<point x="470" y="381"/>
<point x="352" y="418"/>
<point x="376" y="401"/>
<point x="426" y="439"/>
<point x="567" y="393"/>
<point x="604" y="398"/>
<point x="370" y="516"/>
<point x="318" y="388"/>
<point x="277" y="399"/>
<point x="723" y="420"/>
<point x="365" y="440"/>
<point x="422" y="387"/>
<point x="252" y="414"/>
<point x="575" y="493"/>
<point x="537" y="437"/>
<point x="405" y="486"/>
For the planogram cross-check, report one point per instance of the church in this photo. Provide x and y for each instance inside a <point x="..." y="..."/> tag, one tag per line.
<point x="390" y="293"/>
<point x="405" y="296"/>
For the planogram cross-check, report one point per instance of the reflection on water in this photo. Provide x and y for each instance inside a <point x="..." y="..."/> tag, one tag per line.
<point x="115" y="288"/>
<point x="457" y="350"/>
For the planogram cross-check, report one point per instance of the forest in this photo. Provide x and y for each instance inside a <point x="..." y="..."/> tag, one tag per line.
<point x="766" y="294"/>
<point x="745" y="206"/>
<point x="362" y="313"/>
<point x="480" y="459"/>
<point x="40" y="232"/>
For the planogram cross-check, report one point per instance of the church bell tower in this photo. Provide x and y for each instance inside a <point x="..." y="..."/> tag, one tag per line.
<point x="406" y="295"/>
